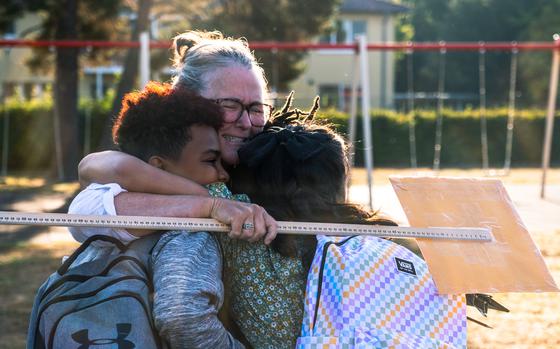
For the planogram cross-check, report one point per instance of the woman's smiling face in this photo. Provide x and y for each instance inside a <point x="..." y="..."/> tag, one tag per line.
<point x="236" y="82"/>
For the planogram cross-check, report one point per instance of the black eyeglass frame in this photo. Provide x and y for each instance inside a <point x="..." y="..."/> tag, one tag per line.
<point x="247" y="108"/>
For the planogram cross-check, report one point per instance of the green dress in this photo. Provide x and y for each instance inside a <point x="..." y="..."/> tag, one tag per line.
<point x="266" y="289"/>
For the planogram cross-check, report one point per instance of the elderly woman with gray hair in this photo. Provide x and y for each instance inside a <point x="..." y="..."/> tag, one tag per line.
<point x="225" y="71"/>
<point x="220" y="69"/>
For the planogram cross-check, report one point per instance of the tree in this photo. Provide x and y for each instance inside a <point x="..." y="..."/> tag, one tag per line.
<point x="480" y="20"/>
<point x="144" y="12"/>
<point x="65" y="20"/>
<point x="130" y="68"/>
<point x="66" y="89"/>
<point x="534" y="67"/>
<point x="272" y="20"/>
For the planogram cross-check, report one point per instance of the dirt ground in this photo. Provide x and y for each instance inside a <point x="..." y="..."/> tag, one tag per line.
<point x="29" y="254"/>
<point x="534" y="318"/>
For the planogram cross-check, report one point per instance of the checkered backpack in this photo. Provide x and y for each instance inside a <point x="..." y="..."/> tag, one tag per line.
<point x="366" y="292"/>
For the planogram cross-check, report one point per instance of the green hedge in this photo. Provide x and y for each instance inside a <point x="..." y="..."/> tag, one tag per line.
<point x="461" y="137"/>
<point x="31" y="145"/>
<point x="31" y="134"/>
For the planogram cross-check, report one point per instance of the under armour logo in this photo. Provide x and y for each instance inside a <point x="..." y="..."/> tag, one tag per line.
<point x="123" y="330"/>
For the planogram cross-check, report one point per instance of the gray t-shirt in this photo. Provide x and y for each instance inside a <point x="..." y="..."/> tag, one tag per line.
<point x="189" y="291"/>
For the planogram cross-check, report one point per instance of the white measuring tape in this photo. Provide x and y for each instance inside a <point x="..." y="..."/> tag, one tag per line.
<point x="205" y="224"/>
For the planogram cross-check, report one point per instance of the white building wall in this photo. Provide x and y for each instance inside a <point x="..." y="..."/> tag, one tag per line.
<point x="13" y="69"/>
<point x="334" y="67"/>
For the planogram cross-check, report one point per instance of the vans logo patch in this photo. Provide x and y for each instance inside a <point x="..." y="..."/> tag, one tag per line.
<point x="405" y="266"/>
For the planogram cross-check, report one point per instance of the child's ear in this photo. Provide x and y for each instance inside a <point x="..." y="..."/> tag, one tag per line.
<point x="156" y="161"/>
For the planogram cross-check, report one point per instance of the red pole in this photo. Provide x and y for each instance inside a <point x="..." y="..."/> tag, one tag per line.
<point x="268" y="45"/>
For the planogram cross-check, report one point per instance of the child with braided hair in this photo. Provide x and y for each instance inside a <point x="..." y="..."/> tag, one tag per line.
<point x="297" y="170"/>
<point x="358" y="297"/>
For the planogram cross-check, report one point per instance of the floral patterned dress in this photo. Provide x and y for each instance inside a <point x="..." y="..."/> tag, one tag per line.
<point x="266" y="289"/>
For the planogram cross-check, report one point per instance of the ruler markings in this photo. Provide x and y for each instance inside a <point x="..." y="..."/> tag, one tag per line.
<point x="206" y="224"/>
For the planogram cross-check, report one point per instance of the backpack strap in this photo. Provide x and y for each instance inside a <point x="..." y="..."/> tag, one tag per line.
<point x="145" y="244"/>
<point x="144" y="247"/>
<point x="322" y="269"/>
<point x="64" y="267"/>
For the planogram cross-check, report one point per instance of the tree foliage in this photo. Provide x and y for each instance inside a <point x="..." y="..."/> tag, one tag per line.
<point x="128" y="77"/>
<point x="96" y="20"/>
<point x="482" y="20"/>
<point x="271" y="20"/>
<point x="65" y="20"/>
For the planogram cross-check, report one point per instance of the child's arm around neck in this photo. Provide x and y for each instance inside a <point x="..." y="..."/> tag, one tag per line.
<point x="134" y="175"/>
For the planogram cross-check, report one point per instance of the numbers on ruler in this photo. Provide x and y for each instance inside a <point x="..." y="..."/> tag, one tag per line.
<point x="286" y="227"/>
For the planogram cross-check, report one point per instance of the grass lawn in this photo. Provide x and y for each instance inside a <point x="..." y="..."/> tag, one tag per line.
<point x="23" y="268"/>
<point x="28" y="254"/>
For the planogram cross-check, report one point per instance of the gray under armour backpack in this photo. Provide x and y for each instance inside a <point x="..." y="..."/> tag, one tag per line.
<point x="104" y="303"/>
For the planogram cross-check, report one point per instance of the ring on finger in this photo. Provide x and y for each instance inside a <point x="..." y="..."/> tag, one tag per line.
<point x="248" y="226"/>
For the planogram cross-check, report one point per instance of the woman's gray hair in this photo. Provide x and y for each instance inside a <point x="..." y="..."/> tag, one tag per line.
<point x="197" y="54"/>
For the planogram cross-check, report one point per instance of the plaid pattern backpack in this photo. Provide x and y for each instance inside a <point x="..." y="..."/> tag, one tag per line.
<point x="367" y="292"/>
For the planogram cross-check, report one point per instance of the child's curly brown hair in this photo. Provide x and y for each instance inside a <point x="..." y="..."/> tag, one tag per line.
<point x="157" y="120"/>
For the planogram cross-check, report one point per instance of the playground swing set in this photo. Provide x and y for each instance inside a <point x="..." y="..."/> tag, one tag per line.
<point x="482" y="107"/>
<point x="360" y="71"/>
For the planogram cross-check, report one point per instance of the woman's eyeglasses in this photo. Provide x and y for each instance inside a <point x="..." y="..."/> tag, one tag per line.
<point x="233" y="110"/>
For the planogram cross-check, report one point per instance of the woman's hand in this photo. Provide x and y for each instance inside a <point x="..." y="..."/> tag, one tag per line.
<point x="247" y="221"/>
<point x="232" y="213"/>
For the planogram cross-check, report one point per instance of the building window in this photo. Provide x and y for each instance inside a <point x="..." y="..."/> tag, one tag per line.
<point x="9" y="30"/>
<point x="345" y="31"/>
<point x="338" y="96"/>
<point x="9" y="89"/>
<point x="330" y="97"/>
<point x="356" y="28"/>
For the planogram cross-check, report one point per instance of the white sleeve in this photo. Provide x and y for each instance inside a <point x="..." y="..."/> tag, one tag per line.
<point x="98" y="199"/>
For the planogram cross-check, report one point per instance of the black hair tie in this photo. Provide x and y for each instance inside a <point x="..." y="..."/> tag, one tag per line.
<point x="298" y="143"/>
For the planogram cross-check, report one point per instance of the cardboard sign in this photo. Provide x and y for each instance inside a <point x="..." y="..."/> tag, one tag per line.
<point x="511" y="263"/>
